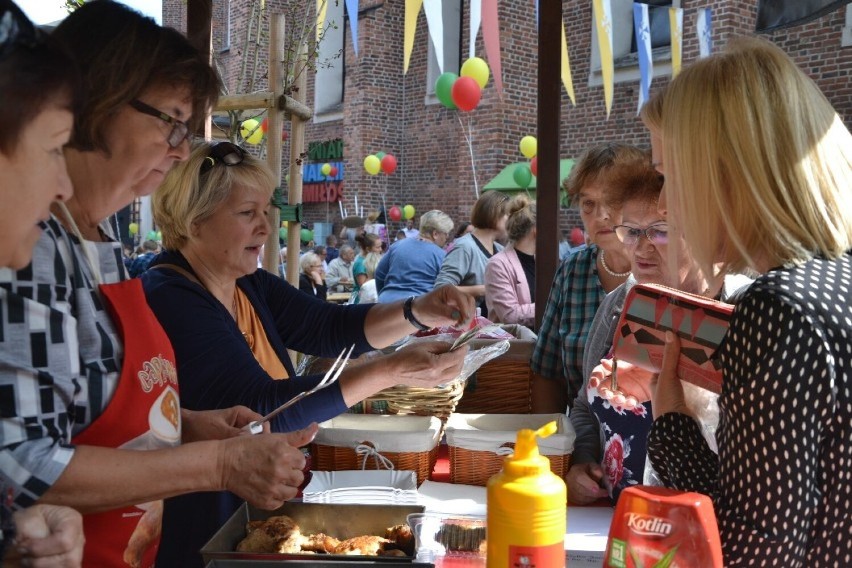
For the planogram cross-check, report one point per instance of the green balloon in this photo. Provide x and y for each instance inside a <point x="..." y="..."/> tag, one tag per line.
<point x="444" y="89"/>
<point x="282" y="234"/>
<point x="522" y="176"/>
<point x="151" y="236"/>
<point x="307" y="235"/>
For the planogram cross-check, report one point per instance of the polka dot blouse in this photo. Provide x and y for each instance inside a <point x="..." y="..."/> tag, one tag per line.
<point x="782" y="481"/>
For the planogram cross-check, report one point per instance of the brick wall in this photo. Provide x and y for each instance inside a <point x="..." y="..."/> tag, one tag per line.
<point x="384" y="110"/>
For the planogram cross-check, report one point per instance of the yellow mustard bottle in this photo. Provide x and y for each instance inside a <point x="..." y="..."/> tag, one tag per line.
<point x="526" y="508"/>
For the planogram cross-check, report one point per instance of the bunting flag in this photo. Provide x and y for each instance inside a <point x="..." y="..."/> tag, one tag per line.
<point x="352" y="10"/>
<point x="705" y="32"/>
<point x="676" y="23"/>
<point x="475" y="20"/>
<point x="322" y="8"/>
<point x="435" y="22"/>
<point x="603" y="24"/>
<point x="642" y="26"/>
<point x="565" y="71"/>
<point x="412" y="10"/>
<point x="491" y="35"/>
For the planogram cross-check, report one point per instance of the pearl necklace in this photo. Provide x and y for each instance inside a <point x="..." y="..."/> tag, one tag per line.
<point x="609" y="271"/>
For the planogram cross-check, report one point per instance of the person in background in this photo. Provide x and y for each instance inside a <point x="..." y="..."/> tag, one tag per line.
<point x="464" y="266"/>
<point x="40" y="90"/>
<point x="339" y="277"/>
<point x="367" y="294"/>
<point x="140" y="264"/>
<point x="312" y="276"/>
<point x="106" y="434"/>
<point x="510" y="274"/>
<point x="564" y="245"/>
<point x="410" y="230"/>
<point x="331" y="248"/>
<point x="766" y="187"/>
<point x="232" y="324"/>
<point x="464" y="228"/>
<point x="584" y="278"/>
<point x="411" y="265"/>
<point x="400" y="234"/>
<point x="322" y="253"/>
<point x="367" y="242"/>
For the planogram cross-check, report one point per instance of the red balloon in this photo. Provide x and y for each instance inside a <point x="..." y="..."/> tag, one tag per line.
<point x="333" y="172"/>
<point x="388" y="164"/>
<point x="466" y="93"/>
<point x="395" y="213"/>
<point x="264" y="127"/>
<point x="534" y="166"/>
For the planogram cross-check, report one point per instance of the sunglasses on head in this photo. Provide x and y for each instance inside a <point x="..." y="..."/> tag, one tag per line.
<point x="225" y="153"/>
<point x="16" y="30"/>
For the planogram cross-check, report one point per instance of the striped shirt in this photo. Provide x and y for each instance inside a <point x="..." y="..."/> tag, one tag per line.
<point x="574" y="298"/>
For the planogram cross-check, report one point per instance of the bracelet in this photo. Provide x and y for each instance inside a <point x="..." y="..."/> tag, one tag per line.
<point x="409" y="314"/>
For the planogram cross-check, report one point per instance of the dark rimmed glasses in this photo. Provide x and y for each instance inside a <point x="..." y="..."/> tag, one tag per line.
<point x="180" y="130"/>
<point x="658" y="233"/>
<point x="225" y="153"/>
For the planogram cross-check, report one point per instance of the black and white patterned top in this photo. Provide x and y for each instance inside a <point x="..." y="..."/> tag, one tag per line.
<point x="60" y="357"/>
<point x="782" y="482"/>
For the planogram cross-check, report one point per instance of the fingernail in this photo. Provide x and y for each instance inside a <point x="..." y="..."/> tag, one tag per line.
<point x="669" y="337"/>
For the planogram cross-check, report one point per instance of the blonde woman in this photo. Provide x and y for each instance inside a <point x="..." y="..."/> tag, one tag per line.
<point x="367" y="294"/>
<point x="767" y="187"/>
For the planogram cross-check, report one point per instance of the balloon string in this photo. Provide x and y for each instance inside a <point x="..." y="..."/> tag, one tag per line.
<point x="468" y="136"/>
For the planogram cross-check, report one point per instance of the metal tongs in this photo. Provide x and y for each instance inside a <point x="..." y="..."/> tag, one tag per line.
<point x="330" y="377"/>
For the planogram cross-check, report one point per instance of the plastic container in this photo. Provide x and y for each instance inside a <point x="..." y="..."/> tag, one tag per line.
<point x="526" y="508"/>
<point x="655" y="526"/>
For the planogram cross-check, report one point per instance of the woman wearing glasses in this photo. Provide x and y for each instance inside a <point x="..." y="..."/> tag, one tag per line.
<point x="612" y="425"/>
<point x="91" y="413"/>
<point x="312" y="276"/>
<point x="231" y="323"/>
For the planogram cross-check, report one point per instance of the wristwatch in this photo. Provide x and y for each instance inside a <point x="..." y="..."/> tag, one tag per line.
<point x="409" y="314"/>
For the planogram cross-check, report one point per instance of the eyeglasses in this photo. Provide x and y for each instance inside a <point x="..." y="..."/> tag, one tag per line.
<point x="658" y="233"/>
<point x="180" y="130"/>
<point x="222" y="153"/>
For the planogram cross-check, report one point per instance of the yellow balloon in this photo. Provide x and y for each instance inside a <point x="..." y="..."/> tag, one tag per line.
<point x="283" y="224"/>
<point x="408" y="212"/>
<point x="250" y="131"/>
<point x="133" y="228"/>
<point x="477" y="69"/>
<point x="529" y="147"/>
<point x="372" y="164"/>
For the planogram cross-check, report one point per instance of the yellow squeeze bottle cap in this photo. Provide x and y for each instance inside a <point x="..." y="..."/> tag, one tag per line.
<point x="526" y="447"/>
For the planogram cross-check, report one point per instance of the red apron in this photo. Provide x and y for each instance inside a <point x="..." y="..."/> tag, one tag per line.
<point x="144" y="414"/>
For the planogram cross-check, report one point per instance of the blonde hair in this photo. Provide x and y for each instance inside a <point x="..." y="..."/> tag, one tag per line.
<point x="307" y="260"/>
<point x="371" y="261"/>
<point x="186" y="197"/>
<point x="767" y="182"/>
<point x="435" y="220"/>
<point x="522" y="214"/>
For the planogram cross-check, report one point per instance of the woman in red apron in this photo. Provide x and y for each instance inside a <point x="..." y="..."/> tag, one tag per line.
<point x="89" y="395"/>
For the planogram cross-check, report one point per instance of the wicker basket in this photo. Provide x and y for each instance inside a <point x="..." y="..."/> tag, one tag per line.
<point x="504" y="384"/>
<point x="408" y="442"/>
<point x="478" y="443"/>
<point x="435" y="401"/>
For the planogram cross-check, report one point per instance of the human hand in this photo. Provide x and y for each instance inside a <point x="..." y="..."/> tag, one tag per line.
<point x="265" y="469"/>
<point x="47" y="536"/>
<point x="216" y="424"/>
<point x="633" y="384"/>
<point x="445" y="305"/>
<point x="666" y="388"/>
<point x="584" y="483"/>
<point x="426" y="364"/>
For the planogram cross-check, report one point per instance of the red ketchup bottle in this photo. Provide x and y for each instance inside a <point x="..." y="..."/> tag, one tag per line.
<point x="655" y="527"/>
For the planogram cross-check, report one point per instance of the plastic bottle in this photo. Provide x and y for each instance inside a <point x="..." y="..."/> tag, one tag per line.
<point x="526" y="508"/>
<point x="663" y="528"/>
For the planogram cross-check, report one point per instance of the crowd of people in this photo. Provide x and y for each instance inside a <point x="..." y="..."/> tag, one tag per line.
<point x="124" y="398"/>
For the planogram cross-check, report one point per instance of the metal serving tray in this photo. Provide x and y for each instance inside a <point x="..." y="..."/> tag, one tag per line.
<point x="340" y="521"/>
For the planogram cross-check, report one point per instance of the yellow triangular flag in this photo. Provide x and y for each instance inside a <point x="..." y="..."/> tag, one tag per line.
<point x="676" y="23"/>
<point x="322" y="8"/>
<point x="412" y="10"/>
<point x="603" y="24"/>
<point x="565" y="71"/>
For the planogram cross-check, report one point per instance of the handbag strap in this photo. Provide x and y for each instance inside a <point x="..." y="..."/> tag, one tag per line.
<point x="182" y="271"/>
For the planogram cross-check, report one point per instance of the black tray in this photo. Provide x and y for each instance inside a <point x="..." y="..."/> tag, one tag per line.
<point x="340" y="521"/>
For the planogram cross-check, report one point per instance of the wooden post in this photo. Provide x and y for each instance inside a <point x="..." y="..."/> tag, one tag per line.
<point x="547" y="196"/>
<point x="271" y="258"/>
<point x="199" y="21"/>
<point x="297" y="145"/>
